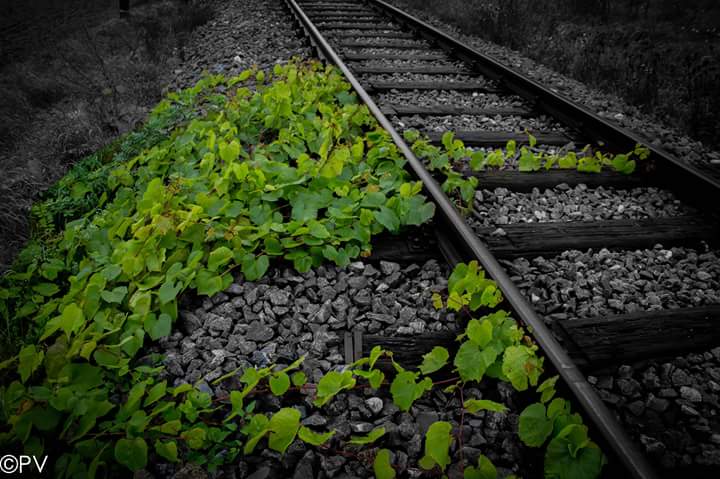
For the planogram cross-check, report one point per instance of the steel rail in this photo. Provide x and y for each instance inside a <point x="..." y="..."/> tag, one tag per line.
<point x="694" y="182"/>
<point x="603" y="419"/>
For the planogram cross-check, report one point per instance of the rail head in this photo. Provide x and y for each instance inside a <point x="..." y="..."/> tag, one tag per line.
<point x="602" y="418"/>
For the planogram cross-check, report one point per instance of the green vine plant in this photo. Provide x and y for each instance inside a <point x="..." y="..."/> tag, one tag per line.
<point x="452" y="155"/>
<point x="292" y="170"/>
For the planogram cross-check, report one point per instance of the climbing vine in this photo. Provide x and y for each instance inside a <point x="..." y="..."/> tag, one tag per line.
<point x="251" y="171"/>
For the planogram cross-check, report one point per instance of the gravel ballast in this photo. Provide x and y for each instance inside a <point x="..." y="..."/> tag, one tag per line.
<point x="503" y="123"/>
<point x="670" y="408"/>
<point x="577" y="284"/>
<point x="286" y="315"/>
<point x="608" y="106"/>
<point x="451" y="97"/>
<point x="242" y="34"/>
<point x="580" y="203"/>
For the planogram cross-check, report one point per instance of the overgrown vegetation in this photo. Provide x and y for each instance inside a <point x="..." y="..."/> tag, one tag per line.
<point x="660" y="55"/>
<point x="295" y="170"/>
<point x="73" y="77"/>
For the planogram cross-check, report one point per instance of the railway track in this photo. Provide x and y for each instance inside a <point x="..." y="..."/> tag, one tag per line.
<point x="411" y="75"/>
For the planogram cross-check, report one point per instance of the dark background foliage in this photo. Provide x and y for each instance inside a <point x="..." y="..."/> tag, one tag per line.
<point x="75" y="74"/>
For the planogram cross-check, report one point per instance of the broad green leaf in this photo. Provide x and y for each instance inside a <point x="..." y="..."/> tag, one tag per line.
<point x="381" y="465"/>
<point x="480" y="332"/>
<point x="484" y="470"/>
<point x="254" y="267"/>
<point x="475" y="405"/>
<point x="158" y="327"/>
<point x="472" y="361"/>
<point x="534" y="427"/>
<point x="314" y="438"/>
<point x="195" y="438"/>
<point x="547" y="389"/>
<point x="371" y="437"/>
<point x="283" y="426"/>
<point x="115" y="296"/>
<point x="331" y="384"/>
<point x="521" y="366"/>
<point x="29" y="360"/>
<point x="279" y="383"/>
<point x="298" y="378"/>
<point x="437" y="446"/>
<point x="219" y="257"/>
<point x="434" y="360"/>
<point x="388" y="218"/>
<point x="167" y="450"/>
<point x="46" y="289"/>
<point x="406" y="390"/>
<point x="131" y="453"/>
<point x="572" y="455"/>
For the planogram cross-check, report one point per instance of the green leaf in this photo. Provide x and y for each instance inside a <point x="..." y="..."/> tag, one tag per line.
<point x="521" y="366"/>
<point x="195" y="437"/>
<point x="572" y="455"/>
<point x="437" y="446"/>
<point x="115" y="296"/>
<point x="434" y="360"/>
<point x="381" y="465"/>
<point x="334" y="164"/>
<point x="534" y="427"/>
<point x="371" y="437"/>
<point x="405" y="390"/>
<point x="254" y="267"/>
<point x="158" y="327"/>
<point x="484" y="470"/>
<point x="437" y="301"/>
<point x="283" y="426"/>
<point x="475" y="405"/>
<point x="131" y="453"/>
<point x="311" y="437"/>
<point x="229" y="152"/>
<point x="208" y="283"/>
<point x="480" y="332"/>
<point x="279" y="383"/>
<point x="331" y="384"/>
<point x="298" y="379"/>
<point x="547" y="389"/>
<point x="156" y="393"/>
<point x="472" y="362"/>
<point x="388" y="218"/>
<point x="167" y="450"/>
<point x="168" y="291"/>
<point x="29" y="360"/>
<point x="219" y="257"/>
<point x="46" y="289"/>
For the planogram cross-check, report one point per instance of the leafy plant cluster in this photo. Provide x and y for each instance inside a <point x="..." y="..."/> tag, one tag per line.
<point x="294" y="170"/>
<point x="453" y="153"/>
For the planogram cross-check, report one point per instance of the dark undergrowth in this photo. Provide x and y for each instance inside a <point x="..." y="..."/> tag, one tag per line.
<point x="660" y="55"/>
<point x="74" y="76"/>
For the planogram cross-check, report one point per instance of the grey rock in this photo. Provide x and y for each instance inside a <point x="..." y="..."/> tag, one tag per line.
<point x="305" y="468"/>
<point x="315" y="420"/>
<point x="361" y="427"/>
<point x="680" y="378"/>
<point x="332" y="464"/>
<point x="278" y="297"/>
<point x="691" y="394"/>
<point x="189" y="323"/>
<point x="260" y="332"/>
<point x="374" y="404"/>
<point x="220" y="324"/>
